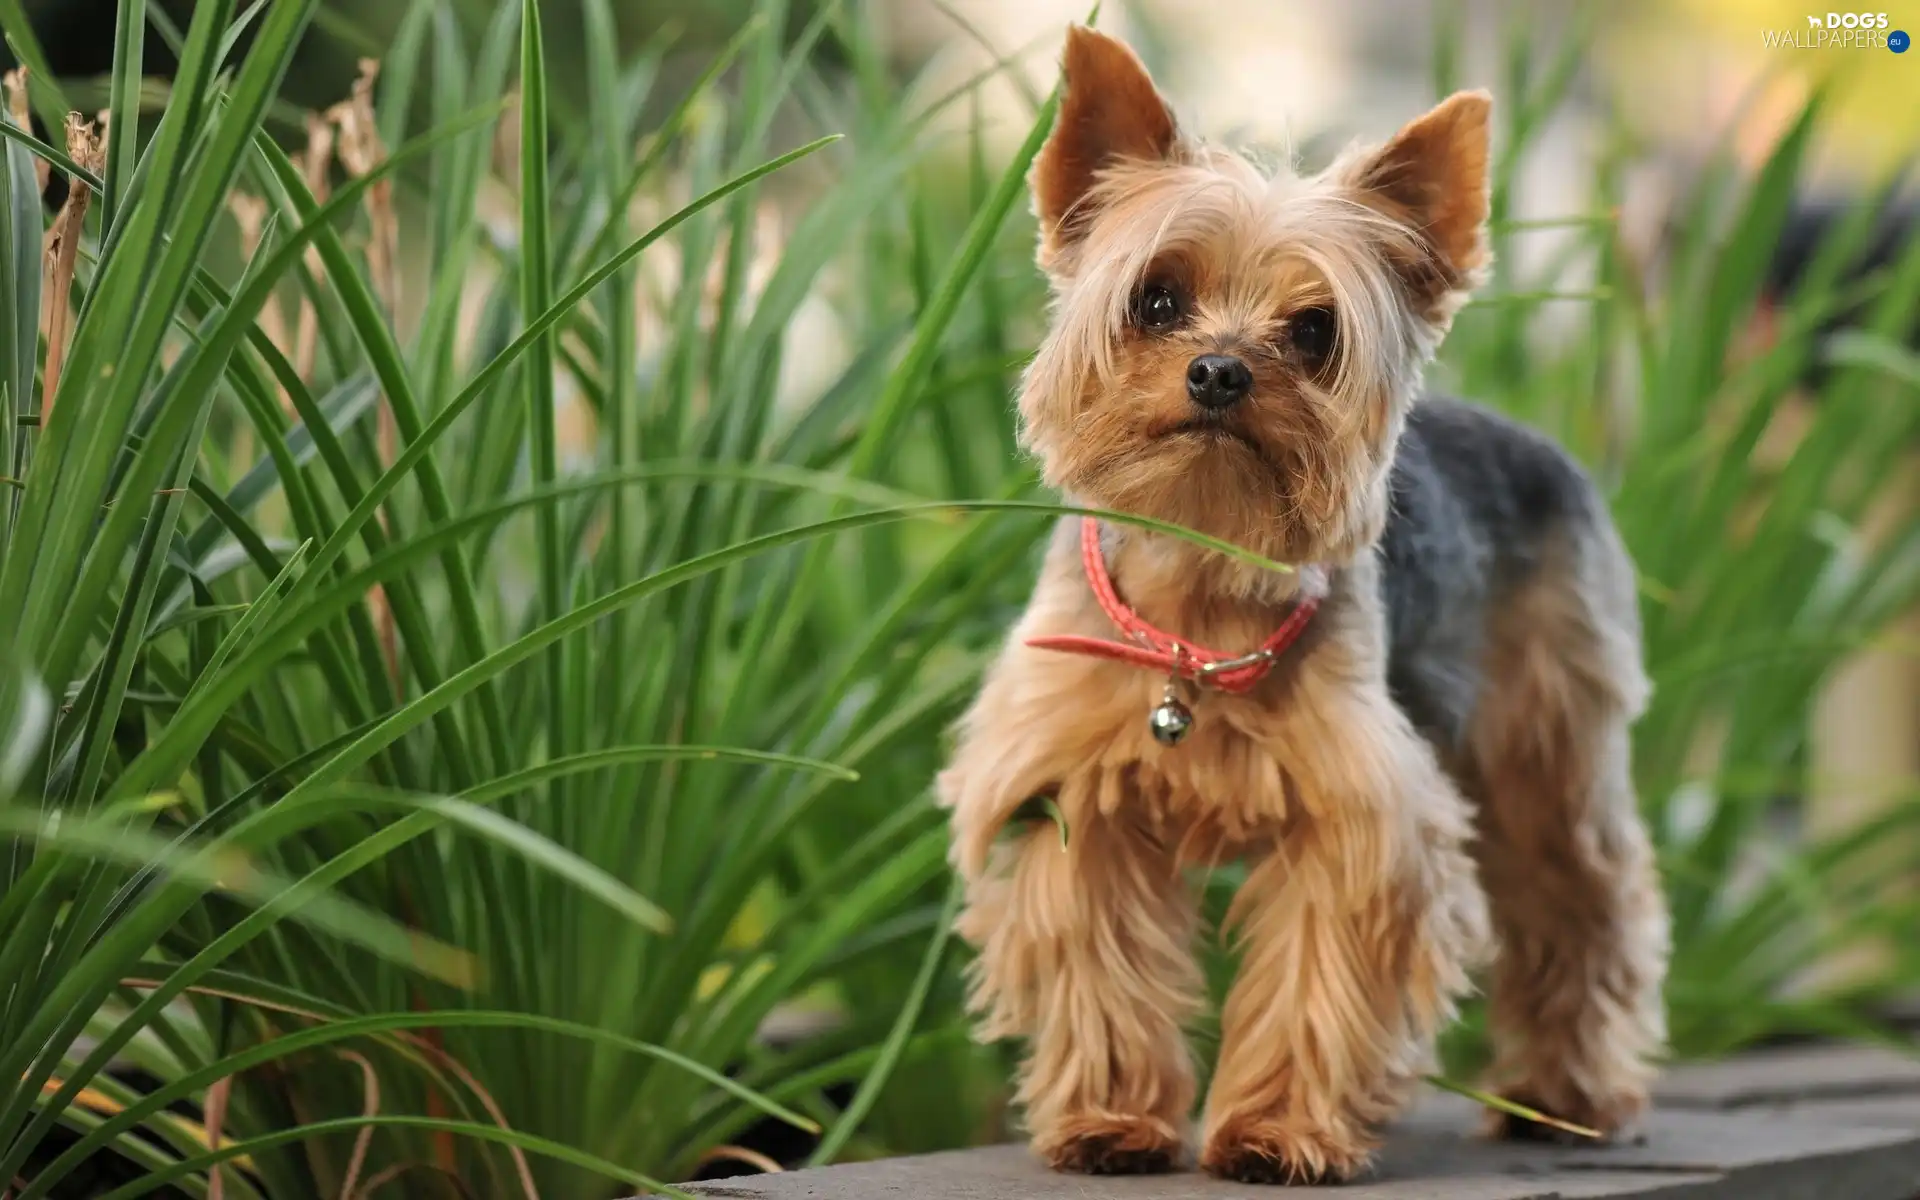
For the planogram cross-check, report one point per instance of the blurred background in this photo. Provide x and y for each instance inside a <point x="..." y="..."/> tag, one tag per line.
<point x="1708" y="287"/>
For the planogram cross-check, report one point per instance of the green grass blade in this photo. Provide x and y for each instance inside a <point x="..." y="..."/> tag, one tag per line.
<point x="123" y="132"/>
<point x="897" y="1038"/>
<point x="109" y="838"/>
<point x="26" y="715"/>
<point x="1502" y="1104"/>
<point x="399" y="71"/>
<point x="21" y="230"/>
<point x="536" y="296"/>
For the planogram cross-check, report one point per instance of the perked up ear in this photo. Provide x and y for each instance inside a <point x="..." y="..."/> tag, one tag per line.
<point x="1110" y="111"/>
<point x="1433" y="175"/>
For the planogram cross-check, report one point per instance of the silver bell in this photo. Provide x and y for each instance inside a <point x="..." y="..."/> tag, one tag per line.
<point x="1170" y="721"/>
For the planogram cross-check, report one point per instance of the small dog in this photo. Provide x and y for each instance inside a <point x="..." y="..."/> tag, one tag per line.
<point x="1241" y="354"/>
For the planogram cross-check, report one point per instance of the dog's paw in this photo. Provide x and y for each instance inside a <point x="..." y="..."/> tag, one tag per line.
<point x="1614" y="1120"/>
<point x="1109" y="1144"/>
<point x="1272" y="1153"/>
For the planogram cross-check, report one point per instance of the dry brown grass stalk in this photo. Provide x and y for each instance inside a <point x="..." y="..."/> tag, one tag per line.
<point x="15" y="82"/>
<point x="741" y="1154"/>
<point x="217" y="1097"/>
<point x="370" y="1085"/>
<point x="62" y="254"/>
<point x="361" y="152"/>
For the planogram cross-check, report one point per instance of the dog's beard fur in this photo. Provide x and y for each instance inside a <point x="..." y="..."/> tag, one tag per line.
<point x="1298" y="470"/>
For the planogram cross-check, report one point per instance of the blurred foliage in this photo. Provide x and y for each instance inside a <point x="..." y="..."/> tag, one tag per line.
<point x="1873" y="85"/>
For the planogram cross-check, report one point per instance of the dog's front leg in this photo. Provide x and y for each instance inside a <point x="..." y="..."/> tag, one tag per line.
<point x="1357" y="931"/>
<point x="1084" y="939"/>
<point x="1085" y="951"/>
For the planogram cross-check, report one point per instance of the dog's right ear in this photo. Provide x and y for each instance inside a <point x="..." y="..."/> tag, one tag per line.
<point x="1110" y="111"/>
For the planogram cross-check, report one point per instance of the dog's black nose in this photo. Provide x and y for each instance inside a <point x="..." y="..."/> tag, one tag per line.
<point x="1218" y="380"/>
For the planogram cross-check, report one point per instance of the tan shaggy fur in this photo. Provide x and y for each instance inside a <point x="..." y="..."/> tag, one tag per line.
<point x="1363" y="911"/>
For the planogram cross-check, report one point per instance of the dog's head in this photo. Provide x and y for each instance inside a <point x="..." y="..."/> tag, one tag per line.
<point x="1231" y="349"/>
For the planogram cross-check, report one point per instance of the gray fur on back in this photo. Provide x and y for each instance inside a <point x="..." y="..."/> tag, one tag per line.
<point x="1477" y="500"/>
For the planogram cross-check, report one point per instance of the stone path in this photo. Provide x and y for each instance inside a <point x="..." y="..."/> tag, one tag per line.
<point x="1817" y="1124"/>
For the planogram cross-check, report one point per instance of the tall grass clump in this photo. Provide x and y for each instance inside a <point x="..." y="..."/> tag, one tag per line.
<point x="483" y="593"/>
<point x="436" y="803"/>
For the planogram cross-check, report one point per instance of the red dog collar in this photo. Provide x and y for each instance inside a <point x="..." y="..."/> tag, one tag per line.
<point x="1172" y="656"/>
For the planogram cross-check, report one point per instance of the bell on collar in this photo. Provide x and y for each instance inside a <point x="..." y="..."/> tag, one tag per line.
<point x="1170" y="720"/>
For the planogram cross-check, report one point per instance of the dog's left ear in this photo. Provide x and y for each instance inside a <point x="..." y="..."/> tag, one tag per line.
<point x="1433" y="175"/>
<point x="1110" y="112"/>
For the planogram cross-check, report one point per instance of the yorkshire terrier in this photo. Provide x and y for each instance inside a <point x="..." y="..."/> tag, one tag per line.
<point x="1416" y="739"/>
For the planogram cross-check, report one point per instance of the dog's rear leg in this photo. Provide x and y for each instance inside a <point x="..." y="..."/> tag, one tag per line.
<point x="1576" y="1011"/>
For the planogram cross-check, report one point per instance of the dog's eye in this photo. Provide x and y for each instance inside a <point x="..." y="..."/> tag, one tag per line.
<point x="1312" y="331"/>
<point x="1156" y="307"/>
